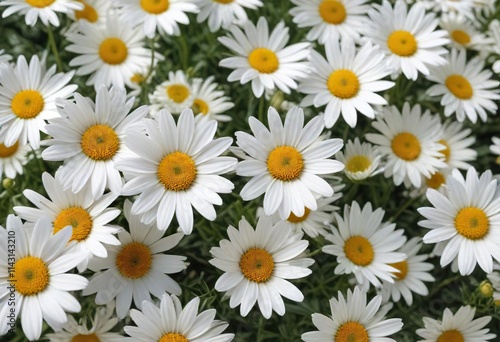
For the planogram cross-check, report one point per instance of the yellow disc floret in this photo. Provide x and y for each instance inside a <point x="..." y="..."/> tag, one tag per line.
<point x="402" y="43"/>
<point x="177" y="171"/>
<point x="257" y="265"/>
<point x="451" y="336"/>
<point x="297" y="219"/>
<point x="461" y="37"/>
<point x="76" y="217"/>
<point x="402" y="267"/>
<point x="85" y="338"/>
<point x="113" y="51"/>
<point x="351" y="332"/>
<point x="223" y="1"/>
<point x="88" y="12"/>
<point x="134" y="260"/>
<point x="459" y="86"/>
<point x="6" y="152"/>
<point x="343" y="84"/>
<point x="358" y="163"/>
<point x="100" y="142"/>
<point x="332" y="12"/>
<point x="177" y="92"/>
<point x="155" y="6"/>
<point x="472" y="223"/>
<point x="40" y="3"/>
<point x="200" y="106"/>
<point x="31" y="276"/>
<point x="285" y="163"/>
<point x="263" y="60"/>
<point x="27" y="104"/>
<point x="406" y="146"/>
<point x="359" y="250"/>
<point x="173" y="337"/>
<point x="435" y="181"/>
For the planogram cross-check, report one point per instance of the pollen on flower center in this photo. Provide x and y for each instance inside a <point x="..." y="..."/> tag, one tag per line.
<point x="88" y="12"/>
<point x="223" y="1"/>
<point x="351" y="332"/>
<point x="263" y="60"/>
<point x="451" y="336"/>
<point x="177" y="92"/>
<point x="257" y="265"/>
<point x="343" y="84"/>
<point x="435" y="181"/>
<point x="332" y="12"/>
<point x="406" y="146"/>
<point x="296" y="219"/>
<point x="358" y="163"/>
<point x="285" y="163"/>
<point x="85" y="338"/>
<point x="137" y="78"/>
<point x="113" y="51"/>
<point x="177" y="171"/>
<point x="76" y="217"/>
<point x="134" y="260"/>
<point x="27" y="104"/>
<point x="199" y="106"/>
<point x="472" y="223"/>
<point x="40" y="3"/>
<point x="459" y="86"/>
<point x="31" y="276"/>
<point x="359" y="250"/>
<point x="155" y="6"/>
<point x="402" y="267"/>
<point x="461" y="37"/>
<point x="446" y="151"/>
<point x="100" y="142"/>
<point x="173" y="337"/>
<point x="402" y="43"/>
<point x="6" y="152"/>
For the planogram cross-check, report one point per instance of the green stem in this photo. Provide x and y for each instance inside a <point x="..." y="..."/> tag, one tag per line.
<point x="54" y="48"/>
<point x="403" y="208"/>
<point x="261" y="108"/>
<point x="184" y="52"/>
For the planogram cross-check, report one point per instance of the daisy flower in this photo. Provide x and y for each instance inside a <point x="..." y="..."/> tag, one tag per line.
<point x="263" y="58"/>
<point x="110" y="54"/>
<point x="137" y="268"/>
<point x="462" y="33"/>
<point x="12" y="159"/>
<point x="346" y="81"/>
<point x="494" y="33"/>
<point x="94" y="11"/>
<point x="171" y="322"/>
<point x="285" y="162"/>
<point x="354" y="320"/>
<point x="412" y="272"/>
<point x="408" y="38"/>
<point x="152" y="14"/>
<point x="457" y="141"/>
<point x="435" y="181"/>
<point x="459" y="327"/>
<point x="462" y="7"/>
<point x="224" y="13"/>
<point x="89" y="138"/>
<point x="361" y="160"/>
<point x="38" y="275"/>
<point x="467" y="216"/>
<point x="174" y="95"/>
<point x="365" y="246"/>
<point x="89" y="216"/>
<point x="46" y="10"/>
<point x="27" y="98"/>
<point x="257" y="264"/>
<point x="409" y="141"/>
<point x="330" y="20"/>
<point x="208" y="101"/>
<point x="466" y="88"/>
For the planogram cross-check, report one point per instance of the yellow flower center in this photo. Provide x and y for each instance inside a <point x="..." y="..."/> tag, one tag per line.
<point x="402" y="43"/>
<point x="134" y="260"/>
<point x="351" y="332"/>
<point x="451" y="336"/>
<point x="137" y="78"/>
<point x="88" y="12"/>
<point x="402" y="267"/>
<point x="257" y="265"/>
<point x="263" y="60"/>
<point x="285" y="163"/>
<point x="446" y="151"/>
<point x="332" y="12"/>
<point x="200" y="106"/>
<point x="406" y="146"/>
<point x="113" y="51"/>
<point x="223" y="1"/>
<point x="31" y="276"/>
<point x="177" y="92"/>
<point x="359" y="250"/>
<point x="100" y="142"/>
<point x="76" y="217"/>
<point x="27" y="104"/>
<point x="85" y="338"/>
<point x="177" y="171"/>
<point x="461" y="37"/>
<point x="297" y="219"/>
<point x="173" y="337"/>
<point x="6" y="152"/>
<point x="358" y="163"/>
<point x="472" y="223"/>
<point x="343" y="84"/>
<point x="40" y="3"/>
<point x="435" y="181"/>
<point x="459" y="86"/>
<point x="155" y="6"/>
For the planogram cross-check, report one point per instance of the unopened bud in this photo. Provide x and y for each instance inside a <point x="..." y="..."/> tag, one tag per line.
<point x="486" y="288"/>
<point x="277" y="99"/>
<point x="7" y="183"/>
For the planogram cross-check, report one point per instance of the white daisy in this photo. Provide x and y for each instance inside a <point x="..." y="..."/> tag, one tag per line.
<point x="365" y="246"/>
<point x="94" y="11"/>
<point x="27" y="99"/>
<point x="263" y="58"/>
<point x="354" y="320"/>
<point x="152" y="14"/>
<point x="12" y="159"/>
<point x="494" y="34"/>
<point x="111" y="55"/>
<point x="285" y="162"/>
<point x="174" y="95"/>
<point x="408" y="38"/>
<point x="330" y="19"/>
<point x="210" y="102"/>
<point x="138" y="268"/>
<point x="361" y="160"/>
<point x="90" y="137"/>
<point x="258" y="262"/>
<point x="466" y="89"/>
<point x="462" y="7"/>
<point x="462" y="33"/>
<point x="409" y="140"/>
<point x="457" y="141"/>
<point x="89" y="216"/>
<point x="459" y="327"/>
<point x="435" y="181"/>
<point x="43" y="9"/>
<point x="36" y="269"/>
<point x="224" y="13"/>
<point x="171" y="322"/>
<point x="346" y="81"/>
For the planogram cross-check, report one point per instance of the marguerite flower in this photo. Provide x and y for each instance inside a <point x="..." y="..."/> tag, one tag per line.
<point x="456" y="139"/>
<point x="353" y="320"/>
<point x="12" y="159"/>
<point x="361" y="160"/>
<point x="43" y="9"/>
<point x="462" y="32"/>
<point x="138" y="268"/>
<point x="346" y="81"/>
<point x="171" y="322"/>
<point x="285" y="162"/>
<point x="224" y="13"/>
<point x="39" y="277"/>
<point x="463" y="7"/>
<point x="210" y="102"/>
<point x="258" y="262"/>
<point x="177" y="168"/>
<point x="466" y="215"/>
<point x="263" y="58"/>
<point x="94" y="11"/>
<point x="174" y="95"/>
<point x="27" y="98"/>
